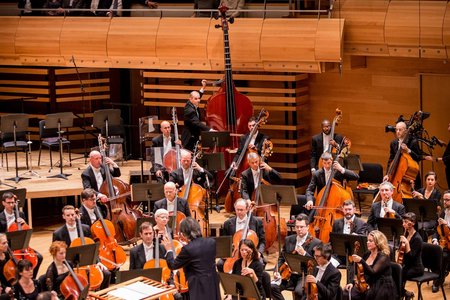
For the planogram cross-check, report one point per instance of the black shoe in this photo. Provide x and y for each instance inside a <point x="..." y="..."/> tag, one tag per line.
<point x="435" y="288"/>
<point x="409" y="295"/>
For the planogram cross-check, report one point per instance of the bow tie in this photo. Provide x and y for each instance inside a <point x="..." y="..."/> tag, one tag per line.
<point x="241" y="221"/>
<point x="71" y="228"/>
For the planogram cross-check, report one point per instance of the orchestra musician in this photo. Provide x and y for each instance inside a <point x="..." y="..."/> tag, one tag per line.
<point x="88" y="215"/>
<point x="4" y="258"/>
<point x="161" y="220"/>
<point x="57" y="270"/>
<point x="302" y="243"/>
<point x="180" y="176"/>
<point x="320" y="177"/>
<point x="70" y="231"/>
<point x="320" y="143"/>
<point x="94" y="175"/>
<point x="167" y="141"/>
<point x="168" y="203"/>
<point x="234" y="224"/>
<point x="412" y="261"/>
<point x="256" y="142"/>
<point x="377" y="270"/>
<point x="193" y="125"/>
<point x="7" y="218"/>
<point x="443" y="220"/>
<point x="257" y="172"/>
<point x="26" y="287"/>
<point x="197" y="258"/>
<point x="144" y="252"/>
<point x="249" y="264"/>
<point x="350" y="224"/>
<point x="325" y="276"/>
<point x="410" y="146"/>
<point x="386" y="207"/>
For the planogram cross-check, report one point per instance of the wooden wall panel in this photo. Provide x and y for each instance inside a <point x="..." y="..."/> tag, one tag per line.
<point x="8" y="32"/>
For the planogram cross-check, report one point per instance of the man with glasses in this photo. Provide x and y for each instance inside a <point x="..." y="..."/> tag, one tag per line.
<point x="301" y="243"/>
<point x="87" y="212"/>
<point x="444" y="219"/>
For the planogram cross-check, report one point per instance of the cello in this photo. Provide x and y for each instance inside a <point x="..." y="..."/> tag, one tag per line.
<point x="119" y="212"/>
<point x="157" y="262"/>
<point x="110" y="253"/>
<point x="95" y="274"/>
<point x="74" y="285"/>
<point x="172" y="158"/>
<point x="332" y="196"/>
<point x="10" y="267"/>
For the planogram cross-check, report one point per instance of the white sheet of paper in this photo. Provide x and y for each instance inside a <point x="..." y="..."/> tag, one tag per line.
<point x="135" y="291"/>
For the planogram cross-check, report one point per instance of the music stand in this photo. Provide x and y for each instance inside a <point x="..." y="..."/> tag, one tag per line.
<point x="155" y="274"/>
<point x="145" y="129"/>
<point x="212" y="161"/>
<point x="105" y="118"/>
<point x="353" y="162"/>
<point x="392" y="228"/>
<point x="59" y="120"/>
<point x="239" y="286"/>
<point x="149" y="192"/>
<point x="224" y="246"/>
<point x="18" y="240"/>
<point x="298" y="263"/>
<point x="213" y="139"/>
<point x="15" y="123"/>
<point x="278" y="194"/>
<point x="425" y="210"/>
<point x="344" y="245"/>
<point x="83" y="255"/>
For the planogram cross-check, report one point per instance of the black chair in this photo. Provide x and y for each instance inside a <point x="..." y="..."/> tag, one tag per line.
<point x="49" y="138"/>
<point x="371" y="173"/>
<point x="396" y="270"/>
<point x="116" y="135"/>
<point x="7" y="140"/>
<point x="432" y="261"/>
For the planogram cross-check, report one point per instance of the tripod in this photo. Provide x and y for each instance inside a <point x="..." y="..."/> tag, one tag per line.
<point x="30" y="168"/>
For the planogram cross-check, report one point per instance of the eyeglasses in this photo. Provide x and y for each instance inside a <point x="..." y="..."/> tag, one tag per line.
<point x="10" y="203"/>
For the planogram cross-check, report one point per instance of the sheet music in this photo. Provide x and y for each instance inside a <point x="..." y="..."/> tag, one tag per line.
<point x="135" y="291"/>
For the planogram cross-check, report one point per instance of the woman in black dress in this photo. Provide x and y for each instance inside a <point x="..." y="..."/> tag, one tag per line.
<point x="198" y="259"/>
<point x="57" y="270"/>
<point x="4" y="258"/>
<point x="26" y="287"/>
<point x="377" y="270"/>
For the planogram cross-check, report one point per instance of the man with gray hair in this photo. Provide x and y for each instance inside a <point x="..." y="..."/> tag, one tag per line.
<point x="168" y="203"/>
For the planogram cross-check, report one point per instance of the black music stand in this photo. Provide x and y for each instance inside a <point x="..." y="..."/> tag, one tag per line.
<point x="239" y="286"/>
<point x="425" y="210"/>
<point x="59" y="120"/>
<point x="21" y="194"/>
<point x="149" y="192"/>
<point x="278" y="194"/>
<point x="344" y="245"/>
<point x="212" y="161"/>
<point x="83" y="255"/>
<point x="224" y="246"/>
<point x="298" y="263"/>
<point x="104" y="118"/>
<point x="353" y="162"/>
<point x="392" y="228"/>
<point x="18" y="240"/>
<point x="214" y="139"/>
<point x="15" y="123"/>
<point x="145" y="129"/>
<point x="155" y="274"/>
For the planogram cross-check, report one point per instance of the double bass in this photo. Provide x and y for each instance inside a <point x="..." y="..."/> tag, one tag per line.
<point x="119" y="212"/>
<point x="172" y="158"/>
<point x="336" y="120"/>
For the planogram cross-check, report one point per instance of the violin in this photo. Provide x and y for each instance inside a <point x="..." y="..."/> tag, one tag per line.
<point x="360" y="281"/>
<point x="95" y="274"/>
<point x="242" y="234"/>
<point x="312" y="293"/>
<point x="74" y="285"/>
<point x="27" y="253"/>
<point x="444" y="233"/>
<point x="110" y="253"/>
<point x="284" y="270"/>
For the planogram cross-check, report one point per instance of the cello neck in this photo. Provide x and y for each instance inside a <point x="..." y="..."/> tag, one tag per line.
<point x="156" y="248"/>
<point x="102" y="221"/>
<point x="102" y="147"/>
<point x="74" y="276"/>
<point x="17" y="215"/>
<point x="83" y="240"/>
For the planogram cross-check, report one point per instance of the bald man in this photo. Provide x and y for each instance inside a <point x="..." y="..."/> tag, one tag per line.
<point x="180" y="176"/>
<point x="320" y="143"/>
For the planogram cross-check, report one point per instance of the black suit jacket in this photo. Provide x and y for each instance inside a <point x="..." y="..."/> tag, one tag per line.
<point x="255" y="224"/>
<point x="177" y="177"/>
<point x="329" y="285"/>
<point x="89" y="180"/>
<point x="375" y="213"/>
<point x="317" y="148"/>
<point x="412" y="144"/>
<point x="259" y="141"/>
<point x="197" y="259"/>
<point x="62" y="233"/>
<point x="358" y="226"/>
<point x="192" y="126"/>
<point x="4" y="223"/>
<point x="318" y="181"/>
<point x="248" y="184"/>
<point x="157" y="141"/>
<point x="291" y="241"/>
<point x="85" y="218"/>
<point x="182" y="206"/>
<point x="137" y="256"/>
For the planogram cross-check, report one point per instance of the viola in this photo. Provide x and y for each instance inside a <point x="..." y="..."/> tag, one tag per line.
<point x="312" y="293"/>
<point x="242" y="234"/>
<point x="388" y="215"/>
<point x="284" y="270"/>
<point x="444" y="236"/>
<point x="95" y="274"/>
<point x="73" y="285"/>
<point x="171" y="159"/>
<point x="122" y="215"/>
<point x="360" y="282"/>
<point x="110" y="253"/>
<point x="401" y="251"/>
<point x="28" y="253"/>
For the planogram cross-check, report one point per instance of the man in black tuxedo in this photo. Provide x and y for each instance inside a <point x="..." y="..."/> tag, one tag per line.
<point x="234" y="224"/>
<point x="193" y="125"/>
<point x="320" y="177"/>
<point x="321" y="142"/>
<point x="88" y="215"/>
<point x="325" y="275"/>
<point x="200" y="175"/>
<point x="168" y="203"/>
<point x="443" y="220"/>
<point x="301" y="243"/>
<point x="70" y="231"/>
<point x="350" y="224"/>
<point x="386" y="206"/>
<point x="256" y="141"/>
<point x="7" y="217"/>
<point x="258" y="170"/>
<point x="146" y="251"/>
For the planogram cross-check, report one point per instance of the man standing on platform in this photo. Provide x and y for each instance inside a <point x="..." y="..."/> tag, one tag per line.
<point x="321" y="142"/>
<point x="193" y="125"/>
<point x="168" y="203"/>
